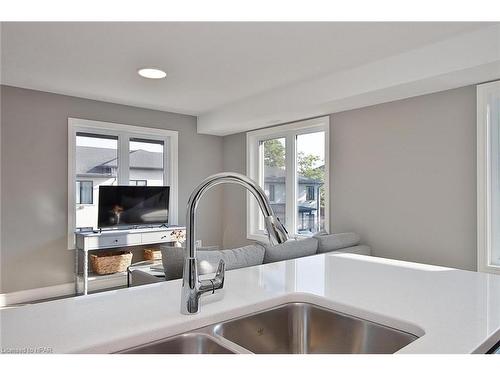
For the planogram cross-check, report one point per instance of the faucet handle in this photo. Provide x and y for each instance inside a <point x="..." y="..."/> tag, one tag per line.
<point x="218" y="280"/>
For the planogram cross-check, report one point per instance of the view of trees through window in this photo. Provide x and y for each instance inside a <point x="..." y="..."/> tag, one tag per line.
<point x="310" y="175"/>
<point x="275" y="175"/>
<point x="310" y="182"/>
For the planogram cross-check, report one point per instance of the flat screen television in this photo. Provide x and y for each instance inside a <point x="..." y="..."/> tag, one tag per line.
<point x="121" y="206"/>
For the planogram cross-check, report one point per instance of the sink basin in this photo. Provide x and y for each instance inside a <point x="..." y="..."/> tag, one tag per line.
<point x="189" y="343"/>
<point x="300" y="328"/>
<point x="292" y="328"/>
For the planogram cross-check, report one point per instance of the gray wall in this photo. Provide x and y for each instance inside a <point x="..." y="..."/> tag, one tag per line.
<point x="234" y="205"/>
<point x="34" y="179"/>
<point x="403" y="175"/>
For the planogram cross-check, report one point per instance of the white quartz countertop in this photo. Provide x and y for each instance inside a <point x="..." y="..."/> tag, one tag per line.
<point x="452" y="311"/>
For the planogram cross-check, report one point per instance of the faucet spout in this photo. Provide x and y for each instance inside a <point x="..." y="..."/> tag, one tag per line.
<point x="192" y="288"/>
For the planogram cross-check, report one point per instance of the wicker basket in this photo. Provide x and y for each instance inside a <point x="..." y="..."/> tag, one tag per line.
<point x="152" y="254"/>
<point x="106" y="263"/>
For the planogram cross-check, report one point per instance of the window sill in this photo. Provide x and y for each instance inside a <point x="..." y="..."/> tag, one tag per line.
<point x="490" y="268"/>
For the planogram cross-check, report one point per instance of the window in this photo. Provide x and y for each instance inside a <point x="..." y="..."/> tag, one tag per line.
<point x="96" y="157"/>
<point x="488" y="174"/>
<point x="290" y="162"/>
<point x="310" y="193"/>
<point x="146" y="162"/>
<point x="84" y="193"/>
<point x="101" y="153"/>
<point x="138" y="183"/>
<point x="273" y="174"/>
<point x="272" y="189"/>
<point x="310" y="161"/>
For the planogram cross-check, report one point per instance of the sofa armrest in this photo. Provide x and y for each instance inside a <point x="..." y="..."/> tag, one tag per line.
<point x="337" y="241"/>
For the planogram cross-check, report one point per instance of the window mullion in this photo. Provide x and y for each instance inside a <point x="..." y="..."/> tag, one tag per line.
<point x="123" y="159"/>
<point x="260" y="180"/>
<point x="290" y="183"/>
<point x="167" y="168"/>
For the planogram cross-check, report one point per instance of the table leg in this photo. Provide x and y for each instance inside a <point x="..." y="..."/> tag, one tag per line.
<point x="76" y="271"/>
<point x="85" y="272"/>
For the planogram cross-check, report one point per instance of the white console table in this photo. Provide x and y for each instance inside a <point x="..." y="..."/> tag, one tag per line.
<point x="108" y="239"/>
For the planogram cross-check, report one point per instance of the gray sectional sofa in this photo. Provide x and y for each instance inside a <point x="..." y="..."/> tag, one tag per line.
<point x="252" y="255"/>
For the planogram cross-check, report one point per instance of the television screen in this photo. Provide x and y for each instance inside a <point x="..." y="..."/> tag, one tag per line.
<point x="133" y="205"/>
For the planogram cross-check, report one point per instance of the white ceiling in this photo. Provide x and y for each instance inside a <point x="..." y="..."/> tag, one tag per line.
<point x="208" y="65"/>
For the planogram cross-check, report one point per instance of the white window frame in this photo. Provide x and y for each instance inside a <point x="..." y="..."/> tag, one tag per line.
<point x="484" y="177"/>
<point x="289" y="132"/>
<point x="124" y="133"/>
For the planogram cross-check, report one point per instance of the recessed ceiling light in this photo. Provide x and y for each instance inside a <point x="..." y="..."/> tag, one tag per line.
<point x="152" y="73"/>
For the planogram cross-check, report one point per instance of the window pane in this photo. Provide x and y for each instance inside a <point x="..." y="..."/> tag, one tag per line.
<point x="146" y="162"/>
<point x="494" y="115"/>
<point x="310" y="180"/>
<point x="274" y="176"/>
<point x="84" y="194"/>
<point x="78" y="200"/>
<point x="138" y="183"/>
<point x="96" y="164"/>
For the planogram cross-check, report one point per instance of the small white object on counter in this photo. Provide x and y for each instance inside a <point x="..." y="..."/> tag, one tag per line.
<point x="453" y="311"/>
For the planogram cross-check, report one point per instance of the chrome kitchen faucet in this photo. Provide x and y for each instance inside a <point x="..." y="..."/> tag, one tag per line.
<point x="192" y="287"/>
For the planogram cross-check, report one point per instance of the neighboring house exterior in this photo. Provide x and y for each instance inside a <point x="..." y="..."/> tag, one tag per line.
<point x="98" y="166"/>
<point x="310" y="216"/>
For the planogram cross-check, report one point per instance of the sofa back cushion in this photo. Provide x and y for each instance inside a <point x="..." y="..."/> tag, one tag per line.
<point x="290" y="250"/>
<point x="332" y="242"/>
<point x="358" y="249"/>
<point x="208" y="260"/>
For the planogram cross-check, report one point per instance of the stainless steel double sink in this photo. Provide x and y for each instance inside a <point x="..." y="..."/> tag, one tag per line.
<point x="292" y="328"/>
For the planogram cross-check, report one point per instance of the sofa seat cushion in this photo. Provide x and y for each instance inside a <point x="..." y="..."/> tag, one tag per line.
<point x="208" y="260"/>
<point x="332" y="242"/>
<point x="290" y="250"/>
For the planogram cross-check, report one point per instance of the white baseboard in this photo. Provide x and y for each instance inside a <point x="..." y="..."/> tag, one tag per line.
<point x="68" y="289"/>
